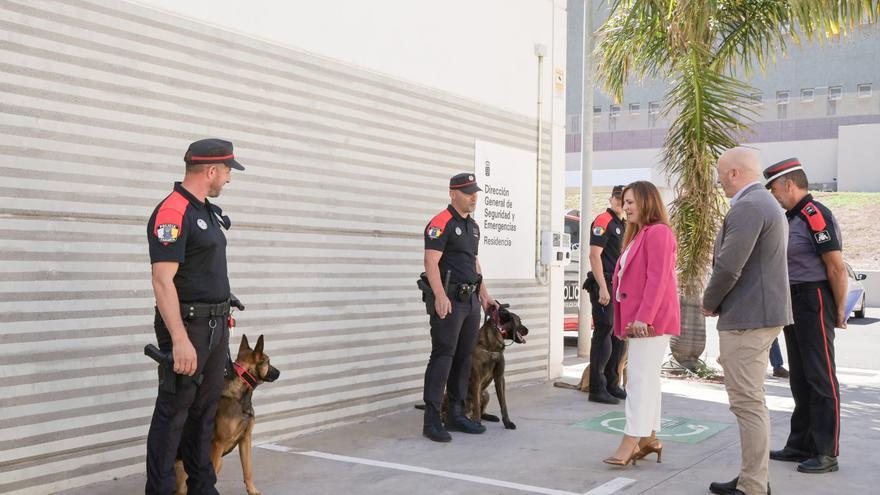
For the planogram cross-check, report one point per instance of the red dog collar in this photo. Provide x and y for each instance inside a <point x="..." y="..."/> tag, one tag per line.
<point x="245" y="376"/>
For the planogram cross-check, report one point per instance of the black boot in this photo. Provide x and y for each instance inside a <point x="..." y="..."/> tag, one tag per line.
<point x="457" y="421"/>
<point x="603" y="397"/>
<point x="433" y="428"/>
<point x="819" y="464"/>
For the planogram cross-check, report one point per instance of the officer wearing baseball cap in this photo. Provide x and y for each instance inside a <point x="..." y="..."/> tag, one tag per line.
<point x="188" y="255"/>
<point x="452" y="239"/>
<point x="818" y="280"/>
<point x="211" y="151"/>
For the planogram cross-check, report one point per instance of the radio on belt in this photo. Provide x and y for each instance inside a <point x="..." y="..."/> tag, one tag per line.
<point x="555" y="248"/>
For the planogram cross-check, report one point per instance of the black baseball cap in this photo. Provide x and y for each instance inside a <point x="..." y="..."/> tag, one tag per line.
<point x="211" y="151"/>
<point x="617" y="191"/>
<point x="465" y="183"/>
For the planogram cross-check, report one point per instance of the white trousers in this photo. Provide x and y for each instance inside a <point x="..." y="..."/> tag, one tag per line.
<point x="644" y="360"/>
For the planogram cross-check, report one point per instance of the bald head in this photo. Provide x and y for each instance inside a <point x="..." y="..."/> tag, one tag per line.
<point x="737" y="168"/>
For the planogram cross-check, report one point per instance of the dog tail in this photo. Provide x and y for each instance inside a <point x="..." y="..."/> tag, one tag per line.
<point x="566" y="385"/>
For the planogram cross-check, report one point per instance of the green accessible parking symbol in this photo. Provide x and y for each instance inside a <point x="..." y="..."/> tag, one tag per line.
<point x="675" y="429"/>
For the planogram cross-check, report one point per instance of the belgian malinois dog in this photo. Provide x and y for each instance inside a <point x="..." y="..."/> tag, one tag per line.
<point x="584" y="384"/>
<point x="487" y="363"/>
<point x="234" y="421"/>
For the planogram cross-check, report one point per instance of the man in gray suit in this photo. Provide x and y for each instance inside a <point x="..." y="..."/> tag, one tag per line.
<point x="748" y="291"/>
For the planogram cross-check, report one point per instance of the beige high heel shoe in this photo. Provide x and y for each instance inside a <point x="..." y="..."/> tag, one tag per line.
<point x="655" y="447"/>
<point x="614" y="461"/>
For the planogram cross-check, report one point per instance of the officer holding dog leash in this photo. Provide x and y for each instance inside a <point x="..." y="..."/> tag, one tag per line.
<point x="190" y="282"/>
<point x="454" y="277"/>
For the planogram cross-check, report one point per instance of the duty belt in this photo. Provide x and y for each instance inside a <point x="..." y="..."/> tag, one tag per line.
<point x="203" y="310"/>
<point x="464" y="291"/>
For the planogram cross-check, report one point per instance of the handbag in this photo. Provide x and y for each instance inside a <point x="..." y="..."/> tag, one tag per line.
<point x="629" y="332"/>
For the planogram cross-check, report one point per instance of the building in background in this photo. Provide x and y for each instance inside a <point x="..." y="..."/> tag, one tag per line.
<point x="820" y="103"/>
<point x="350" y="116"/>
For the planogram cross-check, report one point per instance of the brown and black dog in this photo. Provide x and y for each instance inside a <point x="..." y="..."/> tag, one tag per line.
<point x="584" y="384"/>
<point x="234" y="422"/>
<point x="487" y="363"/>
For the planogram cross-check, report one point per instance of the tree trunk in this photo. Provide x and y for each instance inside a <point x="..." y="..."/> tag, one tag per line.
<point x="688" y="347"/>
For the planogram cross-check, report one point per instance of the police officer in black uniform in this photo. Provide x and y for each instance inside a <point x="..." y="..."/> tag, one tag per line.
<point x="452" y="239"/>
<point x="818" y="280"/>
<point x="606" y="239"/>
<point x="188" y="255"/>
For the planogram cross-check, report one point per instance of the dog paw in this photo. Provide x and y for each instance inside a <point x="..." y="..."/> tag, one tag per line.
<point x="491" y="417"/>
<point x="509" y="425"/>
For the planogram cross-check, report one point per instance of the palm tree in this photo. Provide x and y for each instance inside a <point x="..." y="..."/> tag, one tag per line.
<point x="705" y="49"/>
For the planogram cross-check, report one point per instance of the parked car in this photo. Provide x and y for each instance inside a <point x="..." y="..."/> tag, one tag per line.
<point x="855" y="285"/>
<point x="572" y="273"/>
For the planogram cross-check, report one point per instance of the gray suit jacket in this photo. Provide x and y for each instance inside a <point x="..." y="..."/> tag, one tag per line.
<point x="749" y="282"/>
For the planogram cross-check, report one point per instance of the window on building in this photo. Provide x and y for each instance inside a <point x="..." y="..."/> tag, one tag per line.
<point x="615" y="110"/>
<point x="597" y="111"/>
<point x="864" y="90"/>
<point x="757" y="99"/>
<point x="807" y="94"/>
<point x="783" y="97"/>
<point x="654" y="108"/>
<point x="634" y="108"/>
<point x="835" y="93"/>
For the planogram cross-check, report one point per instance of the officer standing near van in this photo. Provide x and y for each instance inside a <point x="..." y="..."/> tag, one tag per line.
<point x="452" y="239"/>
<point x="606" y="239"/>
<point x="188" y="255"/>
<point x="818" y="280"/>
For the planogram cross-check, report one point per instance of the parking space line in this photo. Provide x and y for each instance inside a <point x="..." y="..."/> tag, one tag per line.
<point x="612" y="486"/>
<point x="606" y="489"/>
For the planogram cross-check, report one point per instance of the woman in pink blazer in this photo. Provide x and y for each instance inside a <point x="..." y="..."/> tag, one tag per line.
<point x="646" y="309"/>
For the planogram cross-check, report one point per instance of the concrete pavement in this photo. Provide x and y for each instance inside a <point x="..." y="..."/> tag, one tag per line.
<point x="548" y="454"/>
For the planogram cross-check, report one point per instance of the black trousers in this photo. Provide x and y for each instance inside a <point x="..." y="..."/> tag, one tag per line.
<point x="452" y="343"/>
<point x="815" y="422"/>
<point x="183" y="422"/>
<point x="605" y="348"/>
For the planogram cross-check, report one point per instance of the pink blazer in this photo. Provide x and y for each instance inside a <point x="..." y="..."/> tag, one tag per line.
<point x="649" y="287"/>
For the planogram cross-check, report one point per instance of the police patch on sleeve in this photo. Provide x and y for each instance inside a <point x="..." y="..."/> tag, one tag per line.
<point x="597" y="230"/>
<point x="434" y="232"/>
<point x="168" y="233"/>
<point x="822" y="237"/>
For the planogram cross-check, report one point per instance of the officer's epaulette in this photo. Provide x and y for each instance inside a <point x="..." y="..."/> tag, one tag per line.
<point x="814" y="217"/>
<point x="602" y="220"/>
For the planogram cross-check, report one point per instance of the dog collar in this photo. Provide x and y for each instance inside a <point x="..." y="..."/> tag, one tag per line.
<point x="245" y="376"/>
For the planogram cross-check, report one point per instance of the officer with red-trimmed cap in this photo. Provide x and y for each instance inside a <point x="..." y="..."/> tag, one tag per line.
<point x="452" y="239"/>
<point x="817" y="276"/>
<point x="606" y="240"/>
<point x="190" y="282"/>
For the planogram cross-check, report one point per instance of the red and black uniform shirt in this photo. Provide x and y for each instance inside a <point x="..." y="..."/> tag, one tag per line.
<point x="185" y="230"/>
<point x="606" y="231"/>
<point x="459" y="240"/>
<point x="812" y="232"/>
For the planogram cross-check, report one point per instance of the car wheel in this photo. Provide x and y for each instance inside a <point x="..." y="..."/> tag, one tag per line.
<point x="860" y="313"/>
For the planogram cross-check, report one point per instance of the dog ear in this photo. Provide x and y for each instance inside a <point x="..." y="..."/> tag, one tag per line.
<point x="244" y="346"/>
<point x="259" y="348"/>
